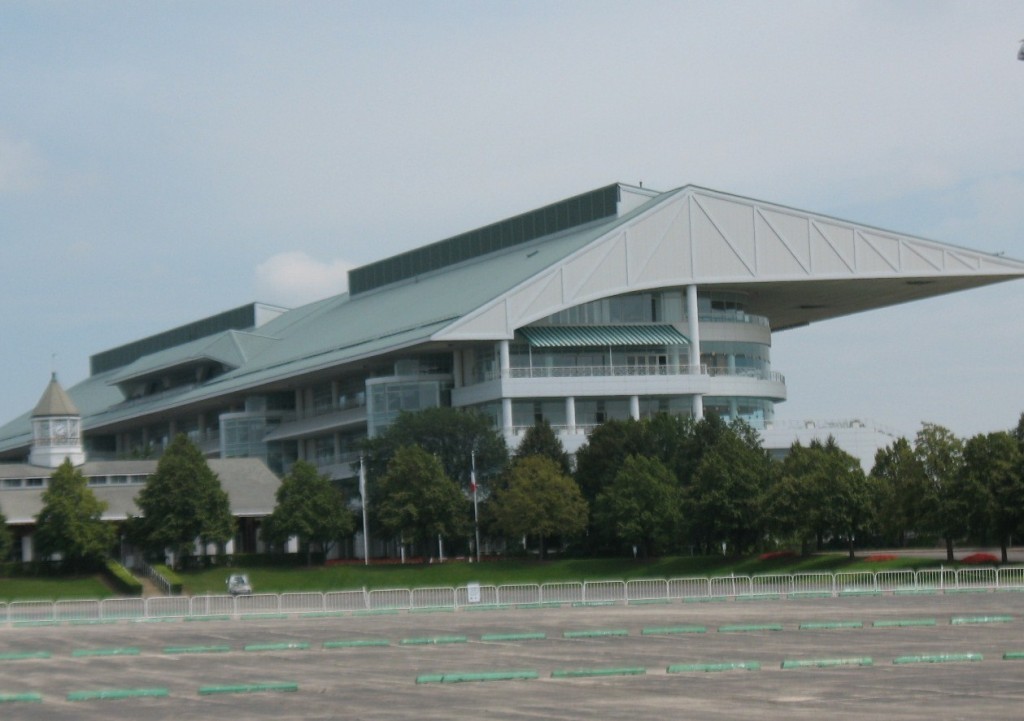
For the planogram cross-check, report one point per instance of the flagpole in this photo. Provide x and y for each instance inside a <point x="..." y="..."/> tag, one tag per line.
<point x="366" y="525"/>
<point x="476" y="509"/>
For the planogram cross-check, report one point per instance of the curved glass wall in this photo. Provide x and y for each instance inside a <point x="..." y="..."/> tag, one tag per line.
<point x="663" y="306"/>
<point x="755" y="411"/>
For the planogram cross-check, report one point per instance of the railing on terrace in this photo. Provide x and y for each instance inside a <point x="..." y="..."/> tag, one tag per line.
<point x="632" y="371"/>
<point x="519" y="594"/>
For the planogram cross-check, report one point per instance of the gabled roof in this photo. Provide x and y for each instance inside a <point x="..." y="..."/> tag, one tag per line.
<point x="250" y="485"/>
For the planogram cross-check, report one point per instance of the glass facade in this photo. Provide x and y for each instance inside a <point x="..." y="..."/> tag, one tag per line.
<point x="386" y="398"/>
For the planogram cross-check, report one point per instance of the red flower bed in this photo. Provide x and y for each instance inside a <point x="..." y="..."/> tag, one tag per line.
<point x="774" y="555"/>
<point x="979" y="558"/>
<point x="876" y="557"/>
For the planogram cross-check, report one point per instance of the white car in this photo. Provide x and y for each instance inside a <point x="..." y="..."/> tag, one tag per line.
<point x="238" y="585"/>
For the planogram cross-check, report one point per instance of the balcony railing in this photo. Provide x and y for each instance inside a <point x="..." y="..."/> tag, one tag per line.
<point x="632" y="371"/>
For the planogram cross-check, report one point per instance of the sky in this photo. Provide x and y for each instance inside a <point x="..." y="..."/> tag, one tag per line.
<point x="164" y="161"/>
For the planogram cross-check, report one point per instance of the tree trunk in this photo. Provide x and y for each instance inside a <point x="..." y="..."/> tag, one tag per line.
<point x="540" y="543"/>
<point x="1003" y="547"/>
<point x="851" y="547"/>
<point x="949" y="549"/>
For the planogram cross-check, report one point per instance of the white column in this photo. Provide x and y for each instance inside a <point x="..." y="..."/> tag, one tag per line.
<point x="634" y="407"/>
<point x="570" y="414"/>
<point x="693" y="327"/>
<point x="503" y="360"/>
<point x="503" y="374"/>
<point x="26" y="548"/>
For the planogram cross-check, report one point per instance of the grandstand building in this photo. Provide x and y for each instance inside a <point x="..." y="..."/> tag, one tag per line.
<point x="622" y="302"/>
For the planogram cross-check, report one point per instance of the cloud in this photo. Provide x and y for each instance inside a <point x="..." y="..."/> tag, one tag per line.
<point x="20" y="167"/>
<point x="294" y="278"/>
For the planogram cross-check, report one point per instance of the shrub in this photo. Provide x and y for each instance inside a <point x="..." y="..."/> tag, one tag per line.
<point x="776" y="555"/>
<point x="122" y="578"/>
<point x="977" y="558"/>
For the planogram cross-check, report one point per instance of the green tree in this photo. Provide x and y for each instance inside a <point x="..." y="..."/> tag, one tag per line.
<point x="181" y="502"/>
<point x="70" y="521"/>
<point x="722" y="501"/>
<point x="540" y="439"/>
<point x="822" y="491"/>
<point x="946" y="504"/>
<point x="609" y="445"/>
<point x="901" y="484"/>
<point x="451" y="435"/>
<point x="309" y="508"/>
<point x="6" y="540"/>
<point x="992" y="468"/>
<point x="539" y="500"/>
<point x="415" y="500"/>
<point x="640" y="507"/>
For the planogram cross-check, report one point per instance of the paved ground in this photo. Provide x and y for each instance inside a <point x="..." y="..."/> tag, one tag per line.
<point x="379" y="682"/>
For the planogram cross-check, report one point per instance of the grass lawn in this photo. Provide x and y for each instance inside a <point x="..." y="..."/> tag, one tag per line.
<point x="456" y="573"/>
<point x="48" y="588"/>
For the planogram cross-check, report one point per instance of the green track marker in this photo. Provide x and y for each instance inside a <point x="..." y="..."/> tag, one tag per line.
<point x="461" y="677"/>
<point x="750" y="627"/>
<point x="129" y="651"/>
<point x="356" y="643"/>
<point x="938" y="658"/>
<point x="827" y="662"/>
<point x="23" y="655"/>
<point x="263" y="616"/>
<point x="116" y="693"/>
<point x="829" y="625"/>
<point x="965" y="620"/>
<point x="248" y="688"/>
<point x="489" y="676"/>
<point x="665" y="630"/>
<point x="905" y="623"/>
<point x="705" y="667"/>
<point x="208" y="618"/>
<point x="197" y="649"/>
<point x="513" y="636"/>
<point x="596" y="634"/>
<point x="19" y="697"/>
<point x="587" y="672"/>
<point x="433" y="640"/>
<point x="1013" y="656"/>
<point x="296" y="646"/>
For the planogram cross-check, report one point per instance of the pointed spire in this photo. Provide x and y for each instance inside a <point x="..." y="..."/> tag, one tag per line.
<point x="54" y="401"/>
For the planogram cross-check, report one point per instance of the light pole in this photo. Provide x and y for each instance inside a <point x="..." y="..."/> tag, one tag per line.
<point x="476" y="509"/>
<point x="366" y="524"/>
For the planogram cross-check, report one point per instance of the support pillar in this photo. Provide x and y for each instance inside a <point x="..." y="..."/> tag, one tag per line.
<point x="693" y="328"/>
<point x="634" y="407"/>
<point x="570" y="414"/>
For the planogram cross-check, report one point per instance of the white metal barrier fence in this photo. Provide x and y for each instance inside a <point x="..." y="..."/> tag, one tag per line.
<point x="522" y="594"/>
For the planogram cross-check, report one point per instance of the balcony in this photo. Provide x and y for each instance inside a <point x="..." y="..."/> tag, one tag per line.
<point x="604" y="381"/>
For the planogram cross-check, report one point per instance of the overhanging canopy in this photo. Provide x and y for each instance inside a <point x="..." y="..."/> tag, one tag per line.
<point x="602" y="336"/>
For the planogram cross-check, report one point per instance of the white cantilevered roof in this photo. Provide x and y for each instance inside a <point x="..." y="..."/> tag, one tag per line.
<point x="795" y="267"/>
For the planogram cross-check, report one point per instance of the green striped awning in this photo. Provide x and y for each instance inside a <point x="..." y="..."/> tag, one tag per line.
<point x="602" y="336"/>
